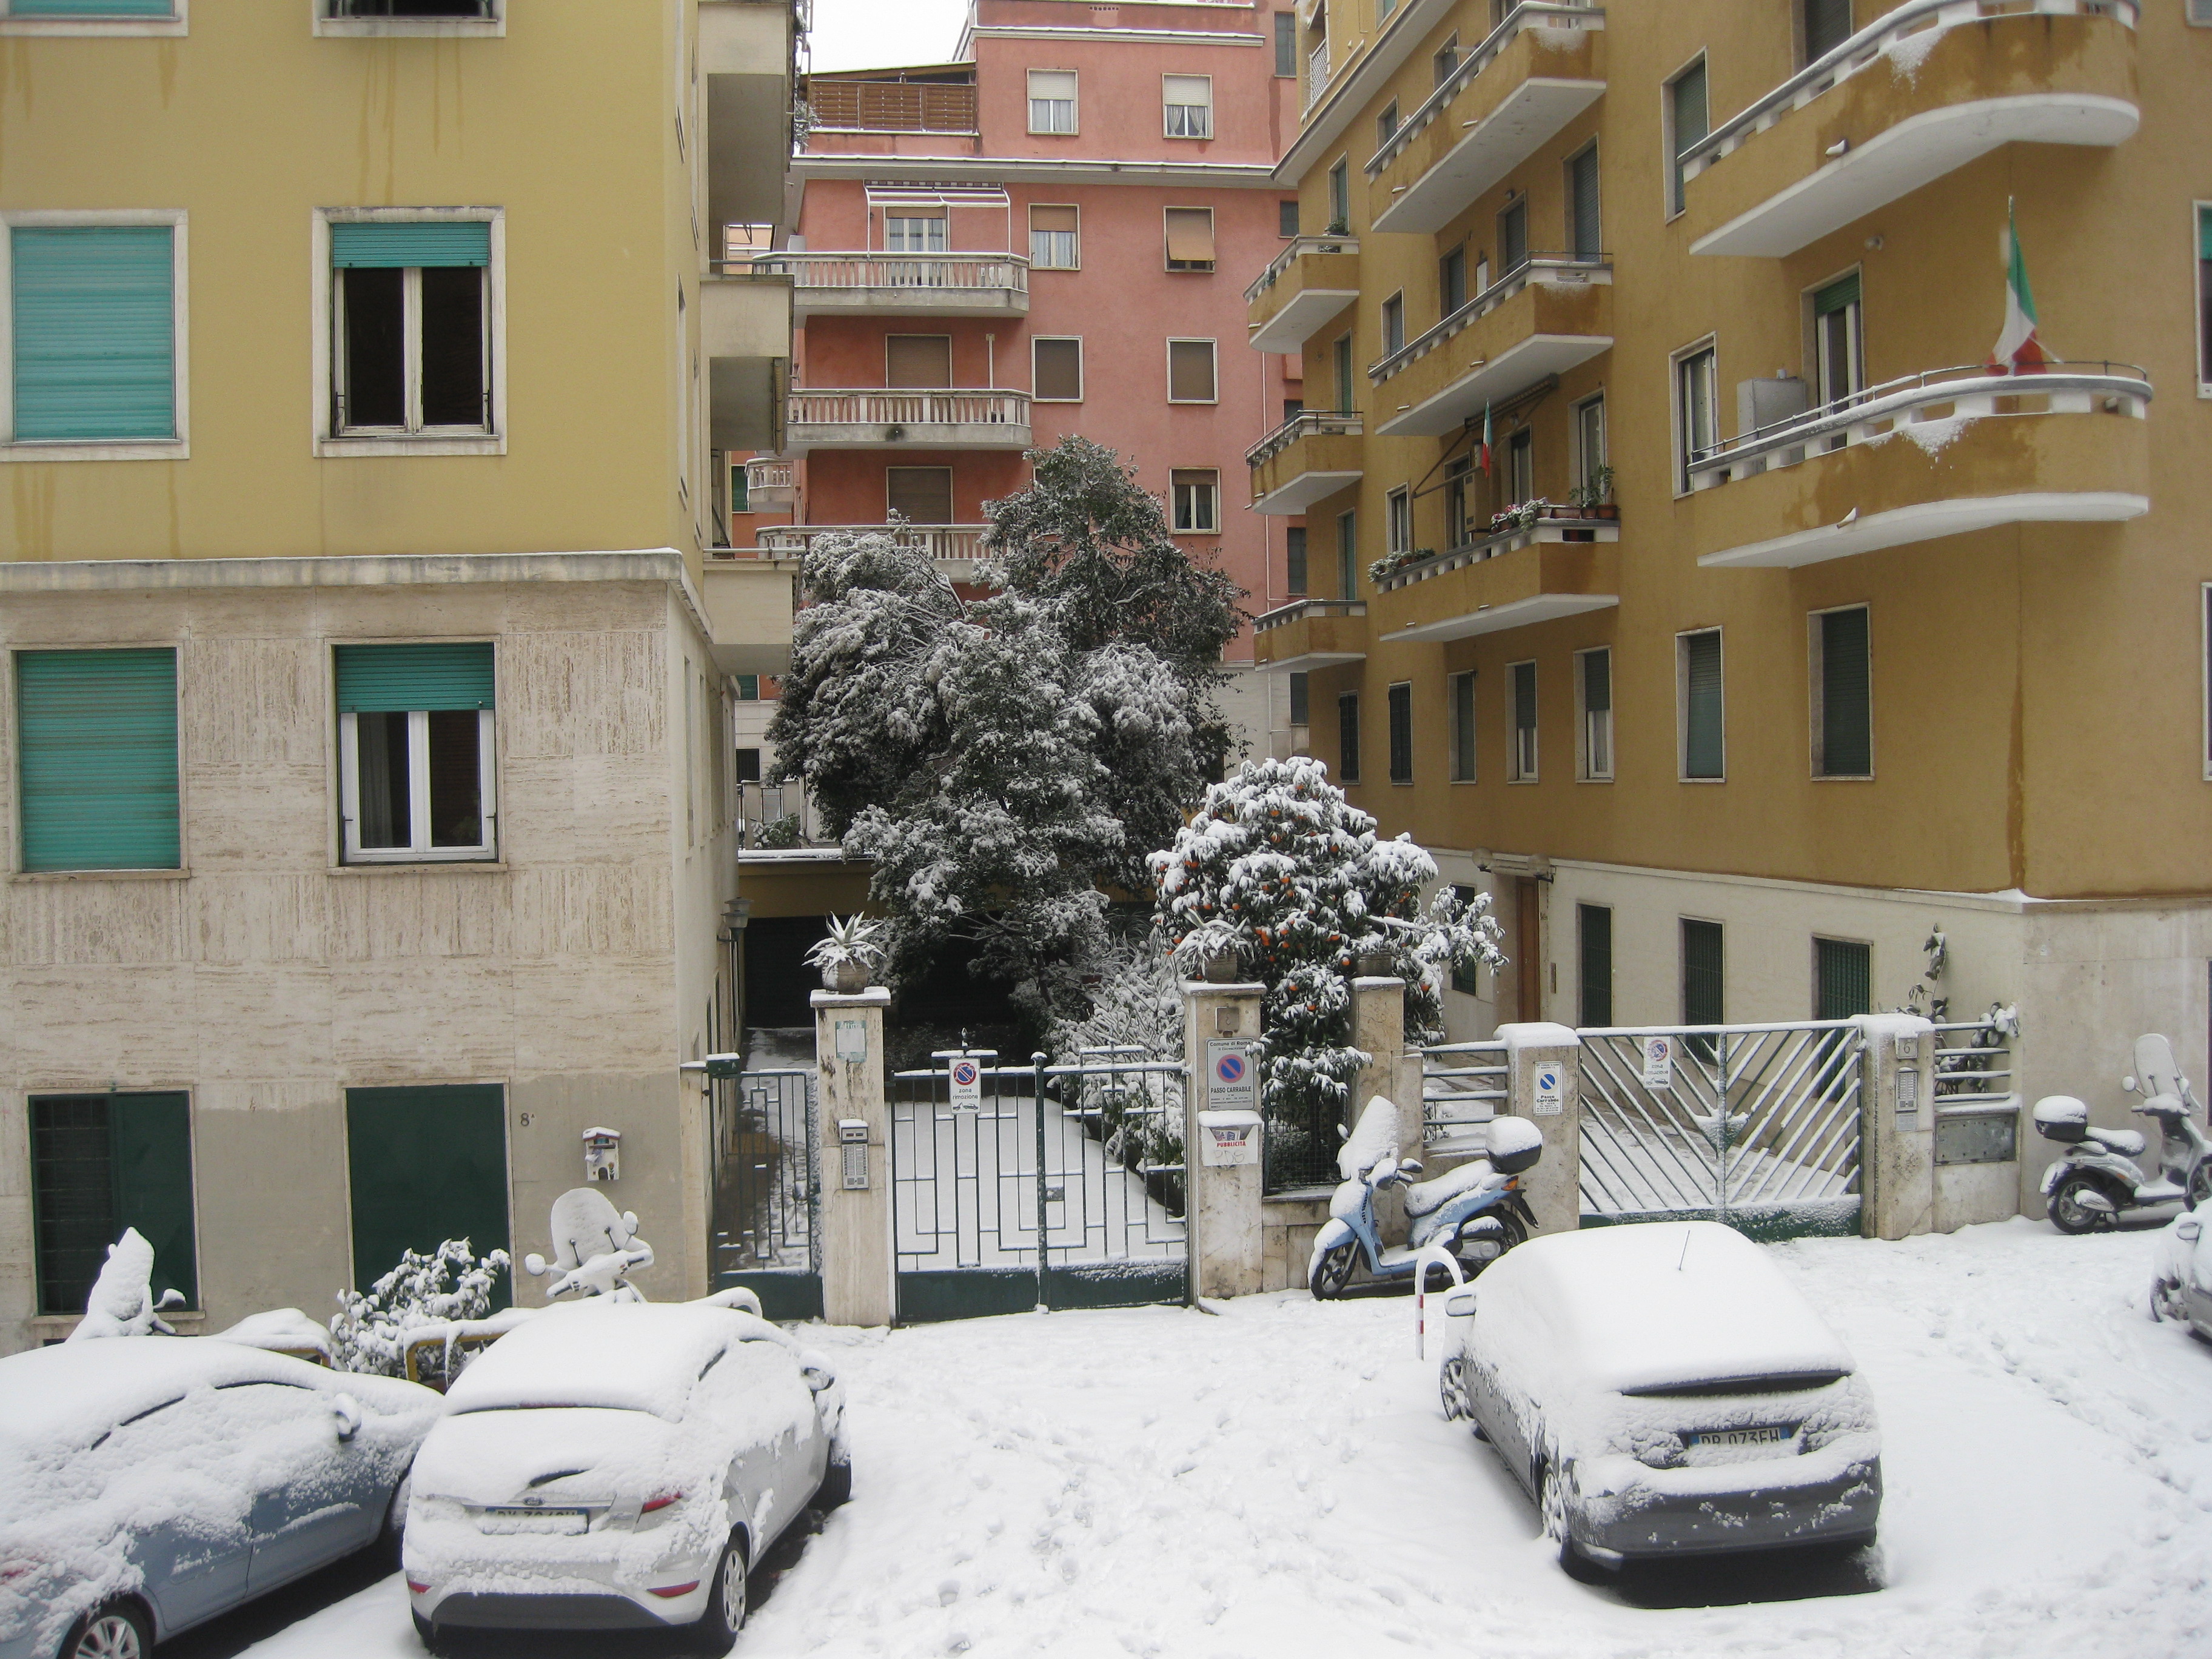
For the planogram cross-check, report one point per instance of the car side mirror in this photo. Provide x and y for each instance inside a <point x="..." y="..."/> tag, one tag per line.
<point x="2189" y="1229"/>
<point x="1460" y="1304"/>
<point x="347" y="1411"/>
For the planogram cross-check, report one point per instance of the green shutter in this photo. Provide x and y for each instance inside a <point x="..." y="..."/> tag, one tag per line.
<point x="1701" y="973"/>
<point x="102" y="1162"/>
<point x="151" y="1141"/>
<point x="95" y="331"/>
<point x="1597" y="682"/>
<point x="1827" y="25"/>
<point x="386" y="244"/>
<point x="1846" y="703"/>
<point x="97" y="741"/>
<point x="393" y="678"/>
<point x="92" y="8"/>
<point x="1843" y="291"/>
<point x="1595" y="922"/>
<point x="1844" y="976"/>
<point x="426" y="1164"/>
<point x="1347" y="737"/>
<point x="1582" y="187"/>
<point x="2204" y="233"/>
<point x="1701" y="751"/>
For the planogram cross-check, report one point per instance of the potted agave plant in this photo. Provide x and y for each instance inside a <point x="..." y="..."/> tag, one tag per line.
<point x="1214" y="951"/>
<point x="848" y="954"/>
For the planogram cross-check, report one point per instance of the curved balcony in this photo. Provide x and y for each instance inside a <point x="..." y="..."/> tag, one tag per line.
<point x="875" y="418"/>
<point x="957" y="547"/>
<point x="769" y="483"/>
<point x="1543" y="317"/>
<point x="1309" y="633"/>
<point x="1532" y="572"/>
<point x="903" y="284"/>
<point x="1303" y="286"/>
<point x="1310" y="456"/>
<point x="1936" y="454"/>
<point x="1919" y="93"/>
<point x="1534" y="73"/>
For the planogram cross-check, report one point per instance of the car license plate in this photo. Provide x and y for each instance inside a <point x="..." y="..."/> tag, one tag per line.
<point x="520" y="1520"/>
<point x="1771" y="1434"/>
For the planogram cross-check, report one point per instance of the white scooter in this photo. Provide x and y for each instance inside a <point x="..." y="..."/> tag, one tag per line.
<point x="2097" y="1180"/>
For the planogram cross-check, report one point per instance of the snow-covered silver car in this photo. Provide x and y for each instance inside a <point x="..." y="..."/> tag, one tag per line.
<point x="2181" y="1286"/>
<point x="619" y="1465"/>
<point x="1662" y="1389"/>
<point x="149" y="1482"/>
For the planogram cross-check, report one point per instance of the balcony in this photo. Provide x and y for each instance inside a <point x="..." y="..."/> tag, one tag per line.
<point x="745" y="333"/>
<point x="772" y="484"/>
<point x="1309" y="633"/>
<point x="1912" y="96"/>
<point x="1534" y="73"/>
<point x="749" y="604"/>
<point x="877" y="418"/>
<point x="1306" y="284"/>
<point x="1542" y="317"/>
<point x="1312" y="455"/>
<point x="1317" y="74"/>
<point x="1931" y="455"/>
<point x="1533" y="573"/>
<point x="892" y="106"/>
<point x="745" y="54"/>
<point x="954" y="547"/>
<point x="900" y="284"/>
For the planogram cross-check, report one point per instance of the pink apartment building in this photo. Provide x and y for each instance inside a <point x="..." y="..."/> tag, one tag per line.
<point x="1051" y="236"/>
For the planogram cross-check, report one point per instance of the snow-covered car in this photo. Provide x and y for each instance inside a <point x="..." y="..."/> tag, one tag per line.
<point x="2182" y="1289"/>
<point x="1662" y="1389"/>
<point x="149" y="1482"/>
<point x="619" y="1465"/>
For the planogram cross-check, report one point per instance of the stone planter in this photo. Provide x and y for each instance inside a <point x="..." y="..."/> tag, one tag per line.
<point x="1226" y="969"/>
<point x="1374" y="964"/>
<point x="847" y="979"/>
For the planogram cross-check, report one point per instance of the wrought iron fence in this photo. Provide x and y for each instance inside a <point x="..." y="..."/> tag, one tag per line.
<point x="766" y="1190"/>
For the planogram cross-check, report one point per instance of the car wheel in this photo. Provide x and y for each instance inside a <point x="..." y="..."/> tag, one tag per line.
<point x="427" y="1633"/>
<point x="1451" y="1383"/>
<point x="117" y="1630"/>
<point x="2068" y="1213"/>
<point x="836" y="1487"/>
<point x="2166" y="1301"/>
<point x="1334" y="1271"/>
<point x="1552" y="1501"/>
<point x="726" y="1605"/>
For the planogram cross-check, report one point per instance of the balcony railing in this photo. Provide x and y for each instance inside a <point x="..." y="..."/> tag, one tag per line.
<point x="944" y="542"/>
<point x="1299" y="610"/>
<point x="1299" y="246"/>
<point x="1536" y="268"/>
<point x="892" y="107"/>
<point x="762" y="476"/>
<point x="1530" y="15"/>
<point x="1316" y="74"/>
<point x="875" y="406"/>
<point x="1895" y="406"/>
<point x="963" y="273"/>
<point x="1861" y="49"/>
<point x="1307" y="423"/>
<point x="1572" y="528"/>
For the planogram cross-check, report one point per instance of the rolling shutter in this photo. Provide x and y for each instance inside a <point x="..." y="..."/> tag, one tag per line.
<point x="1839" y="294"/>
<point x="1845" y="972"/>
<point x="1582" y="182"/>
<point x="923" y="495"/>
<point x="1190" y="371"/>
<point x="386" y="246"/>
<point x="1701" y="751"/>
<point x="95" y="331"/>
<point x="1846" y="706"/>
<point x="1401" y="733"/>
<point x="395" y="678"/>
<point x="93" y="8"/>
<point x="424" y="1165"/>
<point x="1053" y="218"/>
<point x="1702" y="981"/>
<point x="1058" y="370"/>
<point x="1190" y="235"/>
<point x="98" y="749"/>
<point x="1347" y="737"/>
<point x="918" y="361"/>
<point x="1827" y="25"/>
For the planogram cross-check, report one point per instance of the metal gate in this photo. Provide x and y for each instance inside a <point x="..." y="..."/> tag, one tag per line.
<point x="1754" y="1125"/>
<point x="766" y="1191"/>
<point x="1037" y="1186"/>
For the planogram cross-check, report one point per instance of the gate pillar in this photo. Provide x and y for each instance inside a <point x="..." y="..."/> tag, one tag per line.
<point x="1543" y="1084"/>
<point x="1897" y="1124"/>
<point x="855" y="1244"/>
<point x="1223" y="1203"/>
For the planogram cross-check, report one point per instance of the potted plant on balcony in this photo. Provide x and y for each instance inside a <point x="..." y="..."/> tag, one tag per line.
<point x="1589" y="495"/>
<point x="848" y="954"/>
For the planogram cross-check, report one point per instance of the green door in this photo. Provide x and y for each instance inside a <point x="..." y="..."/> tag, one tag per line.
<point x="426" y="1164"/>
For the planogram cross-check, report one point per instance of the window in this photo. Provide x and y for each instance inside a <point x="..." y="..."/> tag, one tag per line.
<point x="1190" y="372"/>
<point x="94" y="337"/>
<point x="1459" y="484"/>
<point x="415" y="752"/>
<point x="1686" y="124"/>
<point x="1702" y="1001"/>
<point x="1340" y="360"/>
<point x="1462" y="727"/>
<point x="748" y="688"/>
<point x="96" y="758"/>
<point x="1347" y="737"/>
<point x="411" y="352"/>
<point x="1347" y="554"/>
<point x="1521" y="467"/>
<point x="918" y="361"/>
<point x="749" y="766"/>
<point x="741" y="496"/>
<point x="1386" y="124"/>
<point x="1056" y="369"/>
<point x="1287" y="45"/>
<point x="1594" y="931"/>
<point x="1054" y="243"/>
<point x="1513" y="238"/>
<point x="1583" y="225"/>
<point x="1698" y="696"/>
<point x="1452" y="282"/>
<point x="1827" y="25"/>
<point x="1286" y="217"/>
<point x="1523" y="677"/>
<point x="1294" y="556"/>
<point x="1052" y="100"/>
<point x="1340" y="199"/>
<point x="399" y="8"/>
<point x="1401" y="733"/>
<point x="1292" y="408"/>
<point x="1466" y="980"/>
<point x="102" y="1162"/>
<point x="1839" y="352"/>
<point x="1190" y="239"/>
<point x="1189" y="99"/>
<point x="2204" y="299"/>
<point x="916" y="233"/>
<point x="1447" y="59"/>
<point x="919" y="495"/>
<point x="1696" y="426"/>
<point x="1300" y="699"/>
<point x="1594" y="692"/>
<point x="1197" y="501"/>
<point x="1398" y="521"/>
<point x="1589" y="447"/>
<point x="104" y="11"/>
<point x="1393" y="325"/>
<point x="1842" y="978"/>
<point x="1843" y="704"/>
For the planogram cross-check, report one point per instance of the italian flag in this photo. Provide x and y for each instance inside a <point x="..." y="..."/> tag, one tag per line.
<point x="1485" y="438"/>
<point x="2017" y="351"/>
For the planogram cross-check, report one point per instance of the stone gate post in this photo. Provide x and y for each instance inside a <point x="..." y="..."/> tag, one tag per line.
<point x="1897" y="1124"/>
<point x="1222" y="1198"/>
<point x="1543" y="1079"/>
<point x="854" y="1158"/>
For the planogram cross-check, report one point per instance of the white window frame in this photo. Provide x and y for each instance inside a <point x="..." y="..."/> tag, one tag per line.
<point x="1075" y="208"/>
<point x="1212" y="500"/>
<point x="1520" y="767"/>
<point x="177" y="23"/>
<point x="1583" y="464"/>
<point x="1682" y="704"/>
<point x="1585" y="770"/>
<point x="1212" y="346"/>
<point x="1384" y="316"/>
<point x="330" y="444"/>
<point x="2197" y="209"/>
<point x="1453" y="733"/>
<point x="493" y="26"/>
<point x="1074" y="104"/>
<point x="179" y="449"/>
<point x="1080" y="369"/>
<point x="1398" y="520"/>
<point x="419" y="851"/>
<point x="942" y="216"/>
<point x="1680" y="438"/>
<point x="1167" y="109"/>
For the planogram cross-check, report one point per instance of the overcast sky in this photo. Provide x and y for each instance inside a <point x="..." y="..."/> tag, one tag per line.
<point x="877" y="34"/>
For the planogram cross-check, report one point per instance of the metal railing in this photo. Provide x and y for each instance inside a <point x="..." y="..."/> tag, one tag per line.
<point x="1316" y="74"/>
<point x="1298" y="609"/>
<point x="1973" y="1067"/>
<point x="963" y="273"/>
<point x="1462" y="1088"/>
<point x="1530" y="14"/>
<point x="763" y="1133"/>
<point x="1572" y="527"/>
<point x="1840" y="62"/>
<point x="892" y="106"/>
<point x="875" y="406"/>
<point x="777" y="815"/>
<point x="1562" y="270"/>
<point x="1968" y="392"/>
<point x="1306" y="423"/>
<point x="941" y="541"/>
<point x="1298" y="248"/>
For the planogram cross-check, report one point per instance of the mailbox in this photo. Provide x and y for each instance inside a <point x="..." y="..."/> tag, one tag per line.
<point x="1226" y="1139"/>
<point x="603" y="1154"/>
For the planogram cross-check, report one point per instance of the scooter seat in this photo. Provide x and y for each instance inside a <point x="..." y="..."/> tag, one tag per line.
<point x="1426" y="1197"/>
<point x="2128" y="1143"/>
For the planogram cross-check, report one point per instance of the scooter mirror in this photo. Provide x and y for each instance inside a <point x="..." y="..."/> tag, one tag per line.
<point x="2129" y="1084"/>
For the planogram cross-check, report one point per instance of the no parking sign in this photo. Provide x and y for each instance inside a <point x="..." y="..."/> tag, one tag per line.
<point x="1231" y="1083"/>
<point x="967" y="1084"/>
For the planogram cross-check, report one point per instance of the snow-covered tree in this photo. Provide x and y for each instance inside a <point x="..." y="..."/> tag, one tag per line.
<point x="371" y="1331"/>
<point x="1278" y="869"/>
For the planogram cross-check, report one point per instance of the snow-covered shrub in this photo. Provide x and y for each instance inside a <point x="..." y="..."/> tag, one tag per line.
<point x="1136" y="1008"/>
<point x="370" y="1332"/>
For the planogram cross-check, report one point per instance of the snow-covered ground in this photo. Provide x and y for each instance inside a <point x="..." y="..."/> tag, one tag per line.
<point x="1277" y="1481"/>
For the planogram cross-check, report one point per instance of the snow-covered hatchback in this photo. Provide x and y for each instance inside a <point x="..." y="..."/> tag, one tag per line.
<point x="618" y="1465"/>
<point x="1662" y="1389"/>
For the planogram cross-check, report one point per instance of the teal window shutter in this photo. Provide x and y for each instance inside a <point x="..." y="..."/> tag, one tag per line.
<point x="397" y="679"/>
<point x="1843" y="291"/>
<point x="95" y="331"/>
<point x="102" y="1162"/>
<point x="1844" y="970"/>
<point x="386" y="244"/>
<point x="1701" y="751"/>
<point x="1846" y="703"/>
<point x="97" y="749"/>
<point x="92" y="9"/>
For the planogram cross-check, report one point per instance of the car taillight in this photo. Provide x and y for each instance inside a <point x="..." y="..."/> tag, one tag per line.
<point x="418" y="1586"/>
<point x="675" y="1590"/>
<point x="660" y="1503"/>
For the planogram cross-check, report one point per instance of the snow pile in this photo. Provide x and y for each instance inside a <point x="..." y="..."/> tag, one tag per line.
<point x="1908" y="52"/>
<point x="280" y="1330"/>
<point x="1373" y="1139"/>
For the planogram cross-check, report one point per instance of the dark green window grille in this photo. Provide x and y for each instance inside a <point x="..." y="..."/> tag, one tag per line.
<point x="97" y="754"/>
<point x="1846" y="701"/>
<point x="1294" y="554"/>
<point x="1347" y="737"/>
<point x="1300" y="699"/>
<point x="1702" y="1003"/>
<point x="100" y="1163"/>
<point x="1401" y="733"/>
<point x="1842" y="974"/>
<point x="1594" y="922"/>
<point x="1462" y="731"/>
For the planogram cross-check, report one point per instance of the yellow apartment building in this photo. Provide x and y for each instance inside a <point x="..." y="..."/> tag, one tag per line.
<point x="1811" y="638"/>
<point x="366" y="809"/>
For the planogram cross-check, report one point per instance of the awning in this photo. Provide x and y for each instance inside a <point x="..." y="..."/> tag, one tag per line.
<point x="946" y="196"/>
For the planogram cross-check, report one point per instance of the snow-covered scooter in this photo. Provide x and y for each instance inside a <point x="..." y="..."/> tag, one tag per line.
<point x="2097" y="1180"/>
<point x="1475" y="1212"/>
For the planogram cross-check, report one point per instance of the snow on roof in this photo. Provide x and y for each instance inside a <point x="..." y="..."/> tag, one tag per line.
<point x="77" y="1391"/>
<point x="624" y="1356"/>
<point x="1653" y="1304"/>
